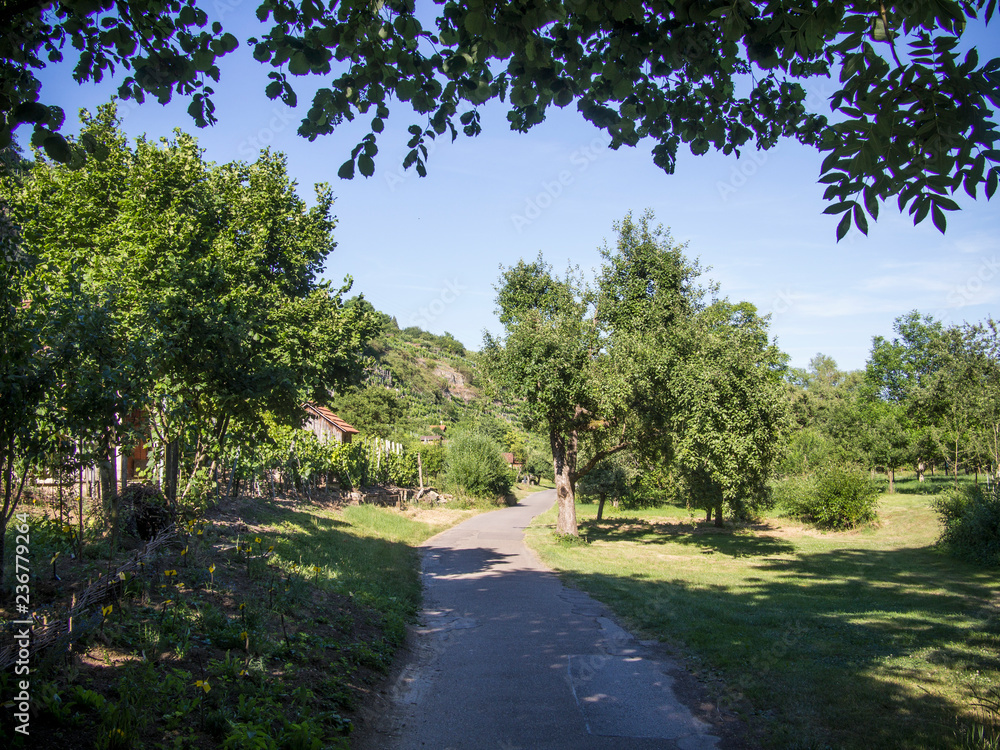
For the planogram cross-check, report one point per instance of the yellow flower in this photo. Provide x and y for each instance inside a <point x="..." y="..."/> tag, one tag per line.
<point x="105" y="611"/>
<point x="211" y="568"/>
<point x="203" y="684"/>
<point x="169" y="572"/>
<point x="257" y="540"/>
<point x="184" y="551"/>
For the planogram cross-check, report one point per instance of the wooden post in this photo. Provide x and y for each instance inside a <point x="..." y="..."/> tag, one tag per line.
<point x="420" y="472"/>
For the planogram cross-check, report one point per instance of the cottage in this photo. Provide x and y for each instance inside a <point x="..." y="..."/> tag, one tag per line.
<point x="327" y="426"/>
<point x="512" y="462"/>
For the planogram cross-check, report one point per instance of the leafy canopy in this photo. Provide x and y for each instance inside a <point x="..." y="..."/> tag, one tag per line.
<point x="909" y="118"/>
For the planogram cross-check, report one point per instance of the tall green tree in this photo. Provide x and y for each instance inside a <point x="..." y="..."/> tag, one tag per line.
<point x="729" y="416"/>
<point x="597" y="366"/>
<point x="913" y="118"/>
<point x="212" y="270"/>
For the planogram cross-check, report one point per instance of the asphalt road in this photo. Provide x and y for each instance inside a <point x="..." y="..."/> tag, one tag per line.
<point x="508" y="658"/>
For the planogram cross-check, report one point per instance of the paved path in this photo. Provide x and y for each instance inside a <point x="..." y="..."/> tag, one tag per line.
<point x="507" y="657"/>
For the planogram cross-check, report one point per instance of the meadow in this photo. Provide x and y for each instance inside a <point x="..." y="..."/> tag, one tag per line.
<point x="858" y="639"/>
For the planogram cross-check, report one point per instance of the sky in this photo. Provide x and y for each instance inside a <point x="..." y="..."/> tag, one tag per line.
<point x="429" y="250"/>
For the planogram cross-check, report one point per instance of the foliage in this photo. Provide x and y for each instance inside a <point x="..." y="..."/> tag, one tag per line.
<point x="608" y="478"/>
<point x="971" y="518"/>
<point x="475" y="466"/>
<point x="837" y="497"/>
<point x="654" y="485"/>
<point x="729" y="419"/>
<point x="807" y="449"/>
<point x="672" y="73"/>
<point x="636" y="361"/>
<point x="377" y="408"/>
<point x="189" y="295"/>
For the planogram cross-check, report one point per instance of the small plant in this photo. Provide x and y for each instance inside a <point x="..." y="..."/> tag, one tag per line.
<point x="839" y="497"/>
<point x="475" y="465"/>
<point x="971" y="517"/>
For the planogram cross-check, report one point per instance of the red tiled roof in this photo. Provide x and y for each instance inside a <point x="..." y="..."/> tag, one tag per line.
<point x="329" y="416"/>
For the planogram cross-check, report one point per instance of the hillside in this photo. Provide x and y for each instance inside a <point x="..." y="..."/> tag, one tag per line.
<point x="415" y="379"/>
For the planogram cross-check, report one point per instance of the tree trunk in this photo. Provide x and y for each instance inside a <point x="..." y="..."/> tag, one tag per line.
<point x="563" y="462"/>
<point x="718" y="515"/>
<point x="921" y="468"/>
<point x="891" y="473"/>
<point x="708" y="514"/>
<point x="600" y="506"/>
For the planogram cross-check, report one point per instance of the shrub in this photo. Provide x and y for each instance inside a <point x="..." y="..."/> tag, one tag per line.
<point x="839" y="497"/>
<point x="476" y="467"/>
<point x="971" y="517"/>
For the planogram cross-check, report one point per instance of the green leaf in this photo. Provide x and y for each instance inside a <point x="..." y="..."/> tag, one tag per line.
<point x="860" y="221"/>
<point x="475" y="23"/>
<point x="299" y="64"/>
<point x="346" y="171"/>
<point x="937" y="216"/>
<point x="366" y="165"/>
<point x="843" y="227"/>
<point x="871" y="202"/>
<point x="837" y="208"/>
<point x="58" y="149"/>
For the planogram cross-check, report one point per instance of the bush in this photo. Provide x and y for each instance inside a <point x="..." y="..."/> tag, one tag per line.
<point x="971" y="517"/>
<point x="839" y="497"/>
<point x="475" y="466"/>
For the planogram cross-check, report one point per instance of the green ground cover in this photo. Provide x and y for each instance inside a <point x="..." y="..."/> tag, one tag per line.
<point x="263" y="626"/>
<point x="861" y="639"/>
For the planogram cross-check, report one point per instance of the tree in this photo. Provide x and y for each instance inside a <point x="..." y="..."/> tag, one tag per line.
<point x="375" y="409"/>
<point x="729" y="416"/>
<point x="917" y="126"/>
<point x="596" y="366"/>
<point x="574" y="354"/>
<point x="984" y="340"/>
<point x="211" y="270"/>
<point x="607" y="478"/>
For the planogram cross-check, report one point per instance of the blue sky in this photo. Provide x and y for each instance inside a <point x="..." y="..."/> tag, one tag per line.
<point x="428" y="250"/>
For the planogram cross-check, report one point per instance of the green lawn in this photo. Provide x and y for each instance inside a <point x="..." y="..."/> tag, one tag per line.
<point x="864" y="639"/>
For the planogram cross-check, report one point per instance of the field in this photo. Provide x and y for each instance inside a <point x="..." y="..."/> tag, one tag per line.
<point x="872" y="638"/>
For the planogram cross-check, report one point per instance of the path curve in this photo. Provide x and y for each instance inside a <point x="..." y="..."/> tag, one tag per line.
<point x="508" y="658"/>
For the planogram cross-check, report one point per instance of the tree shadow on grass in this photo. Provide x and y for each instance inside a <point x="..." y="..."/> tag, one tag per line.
<point x="734" y="542"/>
<point x="833" y="647"/>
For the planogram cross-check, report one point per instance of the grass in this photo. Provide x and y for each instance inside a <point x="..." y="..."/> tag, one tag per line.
<point x="870" y="638"/>
<point x="267" y="629"/>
